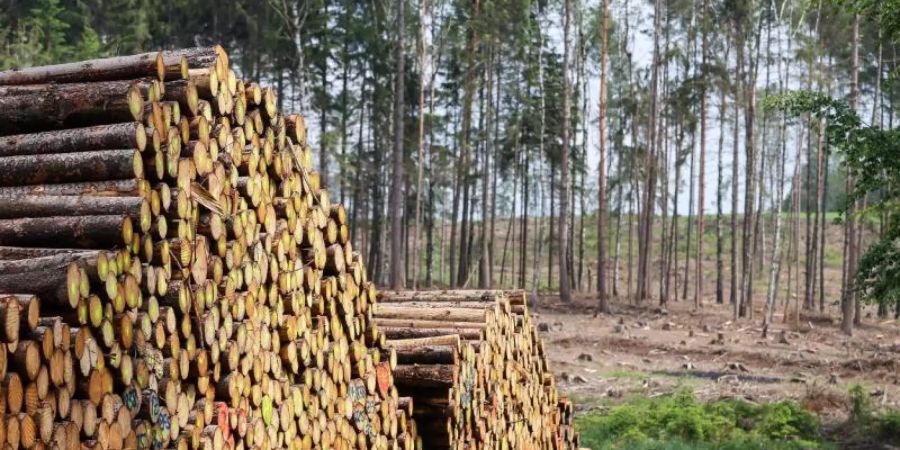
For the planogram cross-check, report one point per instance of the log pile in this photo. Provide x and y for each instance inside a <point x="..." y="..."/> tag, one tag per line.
<point x="474" y="365"/>
<point x="171" y="273"/>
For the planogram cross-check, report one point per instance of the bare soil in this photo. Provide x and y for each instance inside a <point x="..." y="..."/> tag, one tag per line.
<point x="648" y="350"/>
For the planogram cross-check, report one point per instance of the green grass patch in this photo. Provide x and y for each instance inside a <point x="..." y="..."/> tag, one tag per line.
<point x="679" y="421"/>
<point x="867" y="422"/>
<point x="887" y="426"/>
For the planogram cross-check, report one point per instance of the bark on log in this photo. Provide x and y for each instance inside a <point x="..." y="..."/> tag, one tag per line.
<point x="452" y="295"/>
<point x="8" y="252"/>
<point x="8" y="267"/>
<point x="185" y="93"/>
<point x="425" y="376"/>
<point x="30" y="108"/>
<point x="436" y="354"/>
<point x="206" y="82"/>
<point x="57" y="280"/>
<point x="92" y="232"/>
<point x="100" y="137"/>
<point x="114" y="68"/>
<point x="434" y="314"/>
<point x="450" y="304"/>
<point x="391" y="332"/>
<point x="203" y="57"/>
<point x="73" y="205"/>
<point x="98" y="165"/>
<point x="448" y="340"/>
<point x="427" y="324"/>
<point x="129" y="187"/>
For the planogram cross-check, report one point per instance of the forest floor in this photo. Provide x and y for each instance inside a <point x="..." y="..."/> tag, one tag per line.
<point x="645" y="350"/>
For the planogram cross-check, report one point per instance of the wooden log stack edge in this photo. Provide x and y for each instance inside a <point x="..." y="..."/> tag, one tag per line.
<point x="172" y="276"/>
<point x="474" y="365"/>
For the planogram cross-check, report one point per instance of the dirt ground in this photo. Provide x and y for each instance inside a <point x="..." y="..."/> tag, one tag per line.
<point x="646" y="350"/>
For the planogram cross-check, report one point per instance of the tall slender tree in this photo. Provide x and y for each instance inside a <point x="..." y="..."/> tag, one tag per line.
<point x="565" y="292"/>
<point x="603" y="305"/>
<point x="649" y="200"/>
<point x="420" y="160"/>
<point x="396" y="206"/>
<point x="848" y="297"/>
<point x="735" y="157"/>
<point x="701" y="170"/>
<point x="777" y="205"/>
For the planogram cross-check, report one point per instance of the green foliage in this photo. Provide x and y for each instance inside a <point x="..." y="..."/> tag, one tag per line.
<point x="49" y="33"/>
<point x="870" y="155"/>
<point x="887" y="426"/>
<point x="785" y="421"/>
<point x="680" y="421"/>
<point x="865" y="421"/>
<point x="860" y="405"/>
<point x="886" y="13"/>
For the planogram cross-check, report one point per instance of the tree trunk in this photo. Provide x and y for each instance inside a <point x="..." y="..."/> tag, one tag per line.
<point x="617" y="254"/>
<point x="563" y="236"/>
<point x="495" y="166"/>
<point x="720" y="193"/>
<point x="690" y="222"/>
<point x="603" y="305"/>
<point x="824" y="209"/>
<point x="535" y="275"/>
<point x="553" y="236"/>
<point x="775" y="269"/>
<point x="429" y="236"/>
<point x="484" y="270"/>
<point x="811" y="226"/>
<point x="646" y="232"/>
<point x="848" y="299"/>
<point x="662" y="160"/>
<point x="523" y="227"/>
<point x="701" y="174"/>
<point x="462" y="269"/>
<point x="457" y="193"/>
<point x="397" y="280"/>
<point x="814" y="246"/>
<point x="377" y="199"/>
<point x="750" y="181"/>
<point x="735" y="300"/>
<point x="420" y="160"/>
<point x="358" y="169"/>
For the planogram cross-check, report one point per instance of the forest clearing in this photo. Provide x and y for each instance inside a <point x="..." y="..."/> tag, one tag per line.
<point x="644" y="352"/>
<point x="449" y="224"/>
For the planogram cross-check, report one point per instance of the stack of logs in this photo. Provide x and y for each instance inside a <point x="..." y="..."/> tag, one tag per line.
<point x="475" y="367"/>
<point x="172" y="275"/>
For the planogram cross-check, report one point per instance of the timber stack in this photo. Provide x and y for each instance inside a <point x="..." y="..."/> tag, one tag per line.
<point x="172" y="274"/>
<point x="474" y="365"/>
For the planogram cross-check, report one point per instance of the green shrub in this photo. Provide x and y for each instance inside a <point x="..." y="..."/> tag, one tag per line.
<point x="861" y="405"/>
<point x="785" y="420"/>
<point x="887" y="426"/>
<point x="679" y="421"/>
